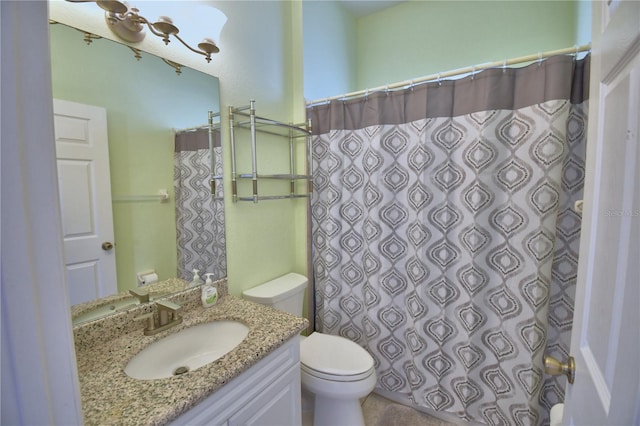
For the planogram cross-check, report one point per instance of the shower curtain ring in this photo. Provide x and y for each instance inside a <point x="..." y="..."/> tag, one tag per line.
<point x="539" y="58"/>
<point x="504" y="66"/>
<point x="575" y="56"/>
<point x="439" y="80"/>
<point x="473" y="72"/>
<point x="411" y="85"/>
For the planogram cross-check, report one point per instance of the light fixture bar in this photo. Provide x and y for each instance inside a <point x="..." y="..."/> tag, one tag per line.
<point x="128" y="24"/>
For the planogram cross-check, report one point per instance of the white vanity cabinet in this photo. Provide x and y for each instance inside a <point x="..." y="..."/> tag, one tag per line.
<point x="268" y="393"/>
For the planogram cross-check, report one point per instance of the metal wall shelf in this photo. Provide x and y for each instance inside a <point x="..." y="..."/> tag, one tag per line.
<point x="213" y="179"/>
<point x="292" y="132"/>
<point x="276" y="176"/>
<point x="274" y="197"/>
<point x="266" y="125"/>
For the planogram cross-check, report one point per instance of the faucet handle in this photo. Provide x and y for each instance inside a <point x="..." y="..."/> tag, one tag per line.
<point x="169" y="306"/>
<point x="166" y="307"/>
<point x="141" y="294"/>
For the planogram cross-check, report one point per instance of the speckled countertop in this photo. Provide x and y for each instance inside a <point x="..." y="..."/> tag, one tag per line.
<point x="104" y="347"/>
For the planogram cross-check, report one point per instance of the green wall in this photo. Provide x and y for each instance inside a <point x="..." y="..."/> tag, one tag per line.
<point x="261" y="58"/>
<point x="330" y="48"/>
<point x="145" y="100"/>
<point x="420" y="38"/>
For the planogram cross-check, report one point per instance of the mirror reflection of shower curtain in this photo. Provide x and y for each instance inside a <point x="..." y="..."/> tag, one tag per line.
<point x="444" y="236"/>
<point x="200" y="225"/>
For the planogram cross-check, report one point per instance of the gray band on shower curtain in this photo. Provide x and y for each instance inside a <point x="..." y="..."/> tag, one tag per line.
<point x="493" y="89"/>
<point x="444" y="239"/>
<point x="196" y="139"/>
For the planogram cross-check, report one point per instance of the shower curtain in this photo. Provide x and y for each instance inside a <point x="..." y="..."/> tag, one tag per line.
<point x="444" y="235"/>
<point x="199" y="216"/>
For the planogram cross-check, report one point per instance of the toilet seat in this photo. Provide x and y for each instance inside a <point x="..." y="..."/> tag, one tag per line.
<point x="336" y="378"/>
<point x="334" y="358"/>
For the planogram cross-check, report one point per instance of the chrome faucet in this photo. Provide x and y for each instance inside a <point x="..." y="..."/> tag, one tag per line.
<point x="168" y="316"/>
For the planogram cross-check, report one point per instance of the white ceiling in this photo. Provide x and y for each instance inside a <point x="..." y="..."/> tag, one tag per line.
<point x="360" y="8"/>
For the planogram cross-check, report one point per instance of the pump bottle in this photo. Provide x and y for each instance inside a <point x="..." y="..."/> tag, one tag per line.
<point x="209" y="292"/>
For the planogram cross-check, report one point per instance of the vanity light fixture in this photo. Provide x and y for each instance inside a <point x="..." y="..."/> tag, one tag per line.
<point x="126" y="22"/>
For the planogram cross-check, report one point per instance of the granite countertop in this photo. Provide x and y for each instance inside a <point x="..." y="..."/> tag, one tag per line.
<point x="104" y="347"/>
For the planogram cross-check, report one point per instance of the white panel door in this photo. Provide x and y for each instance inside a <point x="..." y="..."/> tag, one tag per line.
<point x="606" y="330"/>
<point x="82" y="154"/>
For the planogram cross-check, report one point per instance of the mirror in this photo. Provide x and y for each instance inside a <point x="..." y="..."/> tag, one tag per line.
<point x="147" y="104"/>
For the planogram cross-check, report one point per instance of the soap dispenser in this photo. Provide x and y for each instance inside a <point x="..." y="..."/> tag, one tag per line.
<point x="196" y="281"/>
<point x="209" y="292"/>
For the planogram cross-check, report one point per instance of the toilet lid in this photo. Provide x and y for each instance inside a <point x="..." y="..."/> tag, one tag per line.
<point x="334" y="355"/>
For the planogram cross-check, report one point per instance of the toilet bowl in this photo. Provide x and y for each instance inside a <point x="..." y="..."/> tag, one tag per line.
<point x="335" y="371"/>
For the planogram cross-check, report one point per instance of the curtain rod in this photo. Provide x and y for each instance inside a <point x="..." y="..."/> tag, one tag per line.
<point x="459" y="71"/>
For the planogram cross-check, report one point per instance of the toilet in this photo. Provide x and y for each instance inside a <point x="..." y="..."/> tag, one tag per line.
<point x="335" y="371"/>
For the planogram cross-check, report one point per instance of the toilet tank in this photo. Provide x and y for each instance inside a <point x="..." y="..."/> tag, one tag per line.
<point x="285" y="293"/>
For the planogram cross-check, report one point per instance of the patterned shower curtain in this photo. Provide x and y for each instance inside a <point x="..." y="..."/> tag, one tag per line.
<point x="199" y="215"/>
<point x="445" y="239"/>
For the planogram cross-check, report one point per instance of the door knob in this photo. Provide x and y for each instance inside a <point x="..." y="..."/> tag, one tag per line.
<point x="106" y="246"/>
<point x="554" y="367"/>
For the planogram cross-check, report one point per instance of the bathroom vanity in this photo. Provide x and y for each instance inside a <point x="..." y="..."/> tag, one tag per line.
<point x="257" y="382"/>
<point x="266" y="394"/>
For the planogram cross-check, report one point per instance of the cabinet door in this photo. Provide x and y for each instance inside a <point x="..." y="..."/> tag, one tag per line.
<point x="277" y="405"/>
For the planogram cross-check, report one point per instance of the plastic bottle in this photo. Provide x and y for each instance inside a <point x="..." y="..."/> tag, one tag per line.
<point x="196" y="281"/>
<point x="209" y="292"/>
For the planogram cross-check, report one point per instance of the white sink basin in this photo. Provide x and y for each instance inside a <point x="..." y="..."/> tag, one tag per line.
<point x="186" y="350"/>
